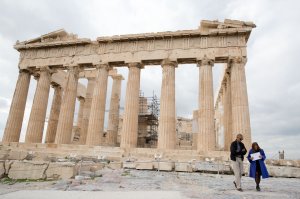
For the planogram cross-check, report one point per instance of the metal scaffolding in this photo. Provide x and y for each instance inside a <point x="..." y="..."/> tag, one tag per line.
<point x="148" y="114"/>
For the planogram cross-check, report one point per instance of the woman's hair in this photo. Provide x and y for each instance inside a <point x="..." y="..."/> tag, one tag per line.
<point x="255" y="144"/>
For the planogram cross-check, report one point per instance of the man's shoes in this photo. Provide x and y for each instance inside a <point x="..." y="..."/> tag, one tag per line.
<point x="240" y="189"/>
<point x="234" y="184"/>
<point x="257" y="188"/>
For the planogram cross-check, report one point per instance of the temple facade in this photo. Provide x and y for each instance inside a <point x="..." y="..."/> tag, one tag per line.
<point x="59" y="59"/>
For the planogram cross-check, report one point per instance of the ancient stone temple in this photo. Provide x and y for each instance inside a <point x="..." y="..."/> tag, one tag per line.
<point x="59" y="59"/>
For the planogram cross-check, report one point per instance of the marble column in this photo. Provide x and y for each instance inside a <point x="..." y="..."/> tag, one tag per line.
<point x="113" y="118"/>
<point x="227" y="115"/>
<point x="66" y="115"/>
<point x="221" y="134"/>
<point x="167" y="119"/>
<point x="129" y="133"/>
<point x="219" y="122"/>
<point x="35" y="128"/>
<point x="16" y="113"/>
<point x="206" y="136"/>
<point x="80" y="112"/>
<point x="239" y="100"/>
<point x="195" y="129"/>
<point x="96" y="119"/>
<point x="87" y="109"/>
<point x="54" y="114"/>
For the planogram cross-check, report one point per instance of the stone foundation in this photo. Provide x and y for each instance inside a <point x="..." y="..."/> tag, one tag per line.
<point x="43" y="161"/>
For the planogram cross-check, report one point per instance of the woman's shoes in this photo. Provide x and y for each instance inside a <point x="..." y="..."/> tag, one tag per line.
<point x="257" y="188"/>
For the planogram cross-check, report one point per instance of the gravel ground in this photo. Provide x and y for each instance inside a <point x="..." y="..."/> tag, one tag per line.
<point x="190" y="185"/>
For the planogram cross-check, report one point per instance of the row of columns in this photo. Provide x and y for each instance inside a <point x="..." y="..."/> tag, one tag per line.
<point x="61" y="118"/>
<point x="92" y="110"/>
<point x="233" y="97"/>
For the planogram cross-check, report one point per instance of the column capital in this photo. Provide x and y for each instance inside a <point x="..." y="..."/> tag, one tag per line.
<point x="47" y="70"/>
<point x="105" y="66"/>
<point x="205" y="61"/>
<point x="135" y="64"/>
<point x="55" y="85"/>
<point x="90" y="78"/>
<point x="36" y="72"/>
<point x="117" y="76"/>
<point x="24" y="71"/>
<point x="237" y="60"/>
<point x="168" y="62"/>
<point x="75" y="69"/>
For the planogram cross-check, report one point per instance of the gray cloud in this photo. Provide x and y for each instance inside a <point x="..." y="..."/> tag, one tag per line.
<point x="273" y="76"/>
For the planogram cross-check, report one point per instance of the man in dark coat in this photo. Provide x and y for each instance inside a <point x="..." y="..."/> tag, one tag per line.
<point x="237" y="152"/>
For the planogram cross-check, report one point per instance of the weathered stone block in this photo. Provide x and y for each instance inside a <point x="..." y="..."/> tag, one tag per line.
<point x="97" y="166"/>
<point x="84" y="166"/>
<point x="212" y="167"/>
<point x="4" y="153"/>
<point x="2" y="169"/>
<point x="144" y="165"/>
<point x="164" y="166"/>
<point x="7" y="165"/>
<point x="39" y="156"/>
<point x="114" y="158"/>
<point x="115" y="165"/>
<point x="28" y="170"/>
<point x="284" y="171"/>
<point x="183" y="166"/>
<point x="57" y="170"/>
<point x="17" y="155"/>
<point x="129" y="165"/>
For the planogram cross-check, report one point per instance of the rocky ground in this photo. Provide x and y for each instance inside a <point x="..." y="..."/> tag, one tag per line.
<point x="187" y="185"/>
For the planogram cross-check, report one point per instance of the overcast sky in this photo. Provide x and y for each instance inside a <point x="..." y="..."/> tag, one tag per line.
<point x="272" y="70"/>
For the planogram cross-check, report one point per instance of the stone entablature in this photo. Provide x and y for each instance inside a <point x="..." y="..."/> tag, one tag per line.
<point x="217" y="40"/>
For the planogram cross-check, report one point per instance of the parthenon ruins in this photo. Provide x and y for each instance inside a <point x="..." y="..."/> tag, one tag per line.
<point x="59" y="59"/>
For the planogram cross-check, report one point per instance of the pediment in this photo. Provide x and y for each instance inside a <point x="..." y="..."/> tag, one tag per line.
<point x="208" y="25"/>
<point x="55" y="36"/>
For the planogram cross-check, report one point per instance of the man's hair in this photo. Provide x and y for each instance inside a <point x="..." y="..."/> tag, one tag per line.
<point x="239" y="135"/>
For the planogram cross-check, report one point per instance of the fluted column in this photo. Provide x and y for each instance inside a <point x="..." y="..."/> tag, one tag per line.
<point x="35" y="128"/>
<point x="80" y="112"/>
<point x="239" y="100"/>
<point x="195" y="129"/>
<point x="221" y="115"/>
<point x="96" y="119"/>
<point x="206" y="136"/>
<point x="113" y="118"/>
<point x="219" y="120"/>
<point x="167" y="119"/>
<point x="227" y="115"/>
<point x="66" y="115"/>
<point x="87" y="109"/>
<point x="54" y="114"/>
<point x="129" y="132"/>
<point x="16" y="113"/>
